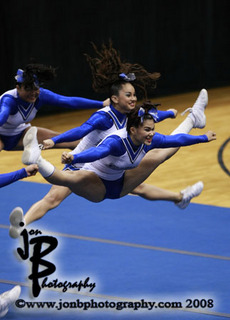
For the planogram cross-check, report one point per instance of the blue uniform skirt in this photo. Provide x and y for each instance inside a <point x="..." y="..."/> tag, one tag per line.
<point x="113" y="188"/>
<point x="10" y="142"/>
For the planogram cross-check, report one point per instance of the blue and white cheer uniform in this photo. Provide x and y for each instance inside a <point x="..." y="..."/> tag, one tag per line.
<point x="15" y="113"/>
<point x="117" y="153"/>
<point x="102" y="123"/>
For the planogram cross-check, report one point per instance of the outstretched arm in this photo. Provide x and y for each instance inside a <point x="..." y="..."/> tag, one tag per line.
<point x="98" y="121"/>
<point x="8" y="178"/>
<point x="179" y="140"/>
<point x="55" y="99"/>
<point x="162" y="115"/>
<point x="110" y="146"/>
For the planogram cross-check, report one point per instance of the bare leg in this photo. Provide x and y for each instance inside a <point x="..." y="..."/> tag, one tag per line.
<point x="196" y="119"/>
<point x="149" y="163"/>
<point x="1" y="145"/>
<point x="84" y="183"/>
<point x="51" y="200"/>
<point x="150" y="192"/>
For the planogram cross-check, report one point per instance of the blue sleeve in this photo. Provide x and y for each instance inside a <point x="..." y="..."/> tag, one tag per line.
<point x="109" y="146"/>
<point x="98" y="121"/>
<point x="6" y="104"/>
<point x="162" y="115"/>
<point x="177" y="140"/>
<point x="50" y="98"/>
<point x="7" y="178"/>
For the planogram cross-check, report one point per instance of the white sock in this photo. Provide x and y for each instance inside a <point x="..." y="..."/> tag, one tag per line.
<point x="45" y="168"/>
<point x="185" y="127"/>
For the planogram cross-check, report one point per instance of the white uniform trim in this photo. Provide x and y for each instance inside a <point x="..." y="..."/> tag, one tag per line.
<point x="111" y="167"/>
<point x="17" y="123"/>
<point x="96" y="136"/>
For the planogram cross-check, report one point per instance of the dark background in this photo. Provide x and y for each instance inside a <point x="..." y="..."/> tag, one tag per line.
<point x="187" y="41"/>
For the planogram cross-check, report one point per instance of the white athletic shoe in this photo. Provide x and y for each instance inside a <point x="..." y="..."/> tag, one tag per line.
<point x="31" y="151"/>
<point x="197" y="111"/>
<point x="16" y="217"/>
<point x="189" y="193"/>
<point x="7" y="298"/>
<point x="17" y="223"/>
<point x="14" y="232"/>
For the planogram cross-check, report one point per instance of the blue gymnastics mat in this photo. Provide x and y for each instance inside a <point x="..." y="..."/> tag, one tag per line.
<point x="147" y="260"/>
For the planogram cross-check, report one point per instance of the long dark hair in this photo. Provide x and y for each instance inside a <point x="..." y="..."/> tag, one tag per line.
<point x="34" y="75"/>
<point x="106" y="67"/>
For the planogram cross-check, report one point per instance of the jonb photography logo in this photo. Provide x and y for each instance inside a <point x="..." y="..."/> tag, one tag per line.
<point x="35" y="247"/>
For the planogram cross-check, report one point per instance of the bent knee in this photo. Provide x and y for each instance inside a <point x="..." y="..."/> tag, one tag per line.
<point x="53" y="200"/>
<point x="139" y="190"/>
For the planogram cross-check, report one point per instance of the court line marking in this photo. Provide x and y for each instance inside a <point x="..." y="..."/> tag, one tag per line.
<point x="220" y="156"/>
<point x="108" y="297"/>
<point x="136" y="245"/>
<point x="132" y="245"/>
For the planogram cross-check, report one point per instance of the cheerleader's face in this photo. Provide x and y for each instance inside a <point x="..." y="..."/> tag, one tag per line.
<point x="144" y="133"/>
<point x="126" y="100"/>
<point x="28" y="95"/>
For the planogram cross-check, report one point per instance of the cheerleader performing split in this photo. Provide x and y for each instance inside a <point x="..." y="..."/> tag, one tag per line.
<point x="19" y="106"/>
<point x="121" y="89"/>
<point x="106" y="171"/>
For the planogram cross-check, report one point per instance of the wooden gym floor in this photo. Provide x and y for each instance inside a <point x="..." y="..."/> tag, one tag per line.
<point x="189" y="165"/>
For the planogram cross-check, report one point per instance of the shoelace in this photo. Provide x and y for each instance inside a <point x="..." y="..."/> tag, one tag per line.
<point x="186" y="110"/>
